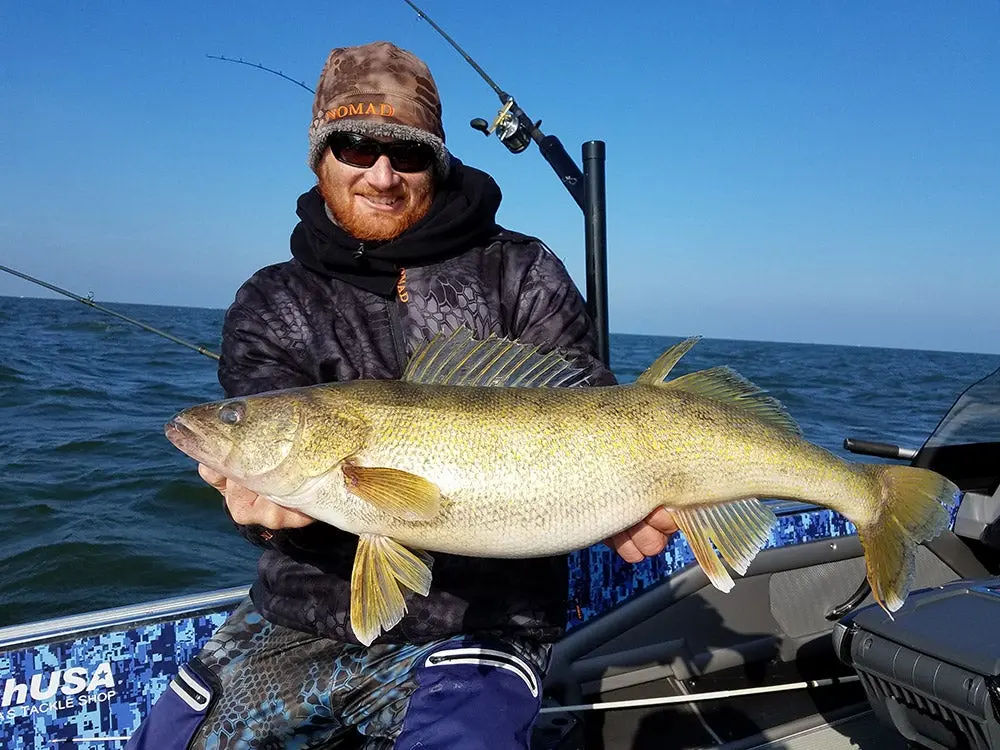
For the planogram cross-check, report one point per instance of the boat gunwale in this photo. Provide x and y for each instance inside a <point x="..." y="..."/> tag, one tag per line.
<point x="14" y="637"/>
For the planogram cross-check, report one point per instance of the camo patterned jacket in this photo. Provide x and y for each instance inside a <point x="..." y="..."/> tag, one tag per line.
<point x="291" y="326"/>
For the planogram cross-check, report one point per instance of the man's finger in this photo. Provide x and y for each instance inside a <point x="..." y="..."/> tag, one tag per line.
<point x="248" y="508"/>
<point x="622" y="544"/>
<point x="661" y="520"/>
<point x="647" y="539"/>
<point x="240" y="503"/>
<point x="276" y="517"/>
<point x="213" y="477"/>
<point x="244" y="505"/>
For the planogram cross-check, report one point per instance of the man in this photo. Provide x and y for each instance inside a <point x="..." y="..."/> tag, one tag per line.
<point x="397" y="243"/>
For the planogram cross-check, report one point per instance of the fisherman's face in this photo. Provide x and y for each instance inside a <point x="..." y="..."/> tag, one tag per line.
<point x="374" y="203"/>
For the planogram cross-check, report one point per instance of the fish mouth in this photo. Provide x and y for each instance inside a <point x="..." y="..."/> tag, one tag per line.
<point x="184" y="438"/>
<point x="175" y="429"/>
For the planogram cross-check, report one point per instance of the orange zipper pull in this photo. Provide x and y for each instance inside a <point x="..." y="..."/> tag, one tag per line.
<point x="404" y="296"/>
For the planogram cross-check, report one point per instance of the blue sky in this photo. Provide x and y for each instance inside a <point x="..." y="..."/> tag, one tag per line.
<point x="819" y="172"/>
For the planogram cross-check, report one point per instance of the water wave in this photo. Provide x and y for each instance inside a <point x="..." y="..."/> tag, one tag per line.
<point x="10" y="375"/>
<point x="80" y="446"/>
<point x="97" y="325"/>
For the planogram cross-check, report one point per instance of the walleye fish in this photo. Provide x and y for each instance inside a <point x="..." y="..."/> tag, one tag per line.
<point x="475" y="452"/>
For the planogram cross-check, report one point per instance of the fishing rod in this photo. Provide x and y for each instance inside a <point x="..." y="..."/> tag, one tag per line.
<point x="89" y="301"/>
<point x="241" y="61"/>
<point x="515" y="129"/>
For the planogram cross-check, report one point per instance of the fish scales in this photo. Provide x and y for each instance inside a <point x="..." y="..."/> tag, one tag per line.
<point x="617" y="453"/>
<point x="497" y="468"/>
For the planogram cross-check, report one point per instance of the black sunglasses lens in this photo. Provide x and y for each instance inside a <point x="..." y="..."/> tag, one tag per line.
<point x="358" y="151"/>
<point x="409" y="157"/>
<point x="355" y="151"/>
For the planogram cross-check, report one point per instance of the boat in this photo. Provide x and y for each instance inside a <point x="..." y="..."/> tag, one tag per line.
<point x="654" y="655"/>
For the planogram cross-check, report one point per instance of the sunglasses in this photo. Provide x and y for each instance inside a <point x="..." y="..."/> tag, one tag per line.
<point x="359" y="151"/>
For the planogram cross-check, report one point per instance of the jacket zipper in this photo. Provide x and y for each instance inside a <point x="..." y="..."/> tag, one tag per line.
<point x="396" y="320"/>
<point x="394" y="311"/>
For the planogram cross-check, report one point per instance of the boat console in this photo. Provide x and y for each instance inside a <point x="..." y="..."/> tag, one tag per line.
<point x="932" y="671"/>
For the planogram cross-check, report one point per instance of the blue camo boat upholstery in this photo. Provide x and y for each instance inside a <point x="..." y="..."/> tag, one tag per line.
<point x="599" y="580"/>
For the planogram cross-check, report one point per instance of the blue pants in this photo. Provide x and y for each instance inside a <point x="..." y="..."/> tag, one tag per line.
<point x="260" y="685"/>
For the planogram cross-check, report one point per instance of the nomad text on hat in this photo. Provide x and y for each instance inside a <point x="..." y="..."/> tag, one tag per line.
<point x="378" y="90"/>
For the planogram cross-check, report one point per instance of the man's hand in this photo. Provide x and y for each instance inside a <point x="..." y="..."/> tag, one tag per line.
<point x="247" y="507"/>
<point x="648" y="537"/>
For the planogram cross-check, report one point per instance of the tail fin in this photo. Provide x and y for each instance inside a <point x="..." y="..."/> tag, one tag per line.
<point x="914" y="509"/>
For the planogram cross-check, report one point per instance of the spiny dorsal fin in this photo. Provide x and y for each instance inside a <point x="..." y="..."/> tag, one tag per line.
<point x="739" y="530"/>
<point x="459" y="359"/>
<point x="727" y="385"/>
<point x="657" y="372"/>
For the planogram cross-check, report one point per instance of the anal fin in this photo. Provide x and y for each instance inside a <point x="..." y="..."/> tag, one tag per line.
<point x="738" y="530"/>
<point x="381" y="566"/>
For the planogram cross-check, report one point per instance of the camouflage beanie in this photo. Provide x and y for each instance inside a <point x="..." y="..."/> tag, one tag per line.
<point x="378" y="90"/>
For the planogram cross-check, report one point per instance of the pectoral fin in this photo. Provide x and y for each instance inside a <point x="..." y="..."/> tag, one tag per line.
<point x="739" y="530"/>
<point x="380" y="566"/>
<point x="398" y="493"/>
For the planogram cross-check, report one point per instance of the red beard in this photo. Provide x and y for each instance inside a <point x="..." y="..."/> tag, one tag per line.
<point x="369" y="225"/>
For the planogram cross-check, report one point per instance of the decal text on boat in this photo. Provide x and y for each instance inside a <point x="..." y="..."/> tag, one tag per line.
<point x="59" y="689"/>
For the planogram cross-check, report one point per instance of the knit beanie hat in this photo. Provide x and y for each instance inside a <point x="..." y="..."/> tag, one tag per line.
<point x="381" y="91"/>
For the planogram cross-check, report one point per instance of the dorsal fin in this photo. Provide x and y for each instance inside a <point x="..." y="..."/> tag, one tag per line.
<point x="459" y="359"/>
<point x="657" y="372"/>
<point x="728" y="386"/>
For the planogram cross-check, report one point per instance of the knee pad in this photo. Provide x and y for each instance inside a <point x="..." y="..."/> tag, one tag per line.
<point x="180" y="711"/>
<point x="473" y="697"/>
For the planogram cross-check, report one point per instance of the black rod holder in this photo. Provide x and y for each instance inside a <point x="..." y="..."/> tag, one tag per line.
<point x="596" y="235"/>
<point x="564" y="167"/>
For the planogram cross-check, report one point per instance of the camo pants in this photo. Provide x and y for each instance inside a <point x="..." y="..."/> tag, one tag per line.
<point x="260" y="685"/>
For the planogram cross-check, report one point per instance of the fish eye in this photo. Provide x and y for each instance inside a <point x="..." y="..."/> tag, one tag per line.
<point x="231" y="413"/>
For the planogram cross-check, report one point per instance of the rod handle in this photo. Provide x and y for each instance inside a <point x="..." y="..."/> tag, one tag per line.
<point x="882" y="450"/>
<point x="564" y="166"/>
